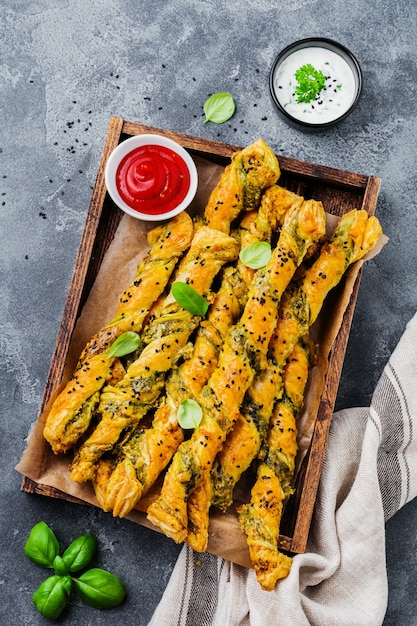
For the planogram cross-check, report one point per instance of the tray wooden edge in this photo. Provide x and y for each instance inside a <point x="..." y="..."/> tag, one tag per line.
<point x="326" y="174"/>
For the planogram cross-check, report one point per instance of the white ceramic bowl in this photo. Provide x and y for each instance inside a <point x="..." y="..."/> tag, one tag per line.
<point x="342" y="88"/>
<point x="142" y="142"/>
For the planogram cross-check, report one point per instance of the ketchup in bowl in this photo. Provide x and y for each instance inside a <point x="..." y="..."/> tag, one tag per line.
<point x="151" y="177"/>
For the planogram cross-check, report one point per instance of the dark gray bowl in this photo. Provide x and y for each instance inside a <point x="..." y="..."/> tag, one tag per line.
<point x="327" y="44"/>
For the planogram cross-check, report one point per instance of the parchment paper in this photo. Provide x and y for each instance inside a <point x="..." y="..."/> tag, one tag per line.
<point x="117" y="270"/>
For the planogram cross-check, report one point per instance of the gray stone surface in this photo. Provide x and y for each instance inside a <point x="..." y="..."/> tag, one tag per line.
<point x="66" y="66"/>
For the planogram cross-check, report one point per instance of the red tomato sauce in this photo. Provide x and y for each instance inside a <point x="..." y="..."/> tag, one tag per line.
<point x="152" y="179"/>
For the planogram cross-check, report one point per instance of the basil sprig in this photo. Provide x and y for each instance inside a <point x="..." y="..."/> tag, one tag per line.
<point x="189" y="298"/>
<point x="256" y="254"/>
<point x="125" y="344"/>
<point x="219" y="108"/>
<point x="97" y="587"/>
<point x="189" y="414"/>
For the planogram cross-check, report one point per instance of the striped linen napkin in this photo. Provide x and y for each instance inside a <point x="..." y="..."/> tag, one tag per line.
<point x="370" y="471"/>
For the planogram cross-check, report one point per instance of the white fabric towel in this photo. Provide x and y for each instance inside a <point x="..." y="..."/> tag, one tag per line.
<point x="369" y="472"/>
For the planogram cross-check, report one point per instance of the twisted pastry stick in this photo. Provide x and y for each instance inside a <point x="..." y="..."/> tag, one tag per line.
<point x="250" y="172"/>
<point x="120" y="482"/>
<point x="242" y="355"/>
<point x="354" y="236"/>
<point x="255" y="227"/>
<point x="71" y="413"/>
<point x="251" y="426"/>
<point x="260" y="518"/>
<point x="124" y="404"/>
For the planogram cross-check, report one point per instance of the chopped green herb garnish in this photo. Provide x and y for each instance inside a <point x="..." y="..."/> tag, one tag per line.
<point x="310" y="83"/>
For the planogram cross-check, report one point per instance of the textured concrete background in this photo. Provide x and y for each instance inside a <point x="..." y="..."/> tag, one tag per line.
<point x="66" y="66"/>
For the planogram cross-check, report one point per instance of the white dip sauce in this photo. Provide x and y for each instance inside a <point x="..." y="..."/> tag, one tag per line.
<point x="332" y="101"/>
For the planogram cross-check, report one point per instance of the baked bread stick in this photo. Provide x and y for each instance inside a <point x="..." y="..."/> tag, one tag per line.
<point x="253" y="229"/>
<point x="140" y="460"/>
<point x="355" y="235"/>
<point x="260" y="518"/>
<point x="243" y="354"/>
<point x="125" y="404"/>
<point x="250" y="172"/>
<point x="70" y="414"/>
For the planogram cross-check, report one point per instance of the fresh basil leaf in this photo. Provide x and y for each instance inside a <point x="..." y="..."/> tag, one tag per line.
<point x="51" y="597"/>
<point x="256" y="254"/>
<point x="80" y="552"/>
<point x="189" y="414"/>
<point x="100" y="589"/>
<point x="125" y="344"/>
<point x="59" y="565"/>
<point x="189" y="299"/>
<point x="42" y="546"/>
<point x="219" y="108"/>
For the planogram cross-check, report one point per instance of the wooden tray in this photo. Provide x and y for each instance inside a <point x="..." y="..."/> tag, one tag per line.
<point x="340" y="191"/>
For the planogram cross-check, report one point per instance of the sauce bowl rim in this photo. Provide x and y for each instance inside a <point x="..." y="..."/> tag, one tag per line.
<point x="129" y="145"/>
